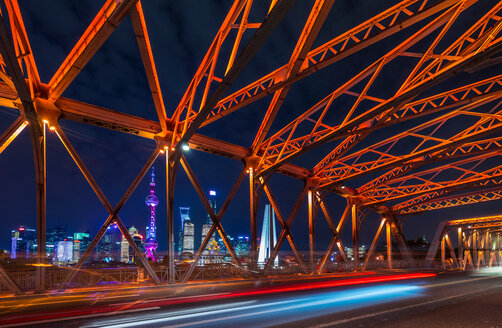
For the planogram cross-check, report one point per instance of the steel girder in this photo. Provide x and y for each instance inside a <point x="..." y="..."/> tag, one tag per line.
<point x="468" y="151"/>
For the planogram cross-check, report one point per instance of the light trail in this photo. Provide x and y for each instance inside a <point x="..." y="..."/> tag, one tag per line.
<point x="117" y="308"/>
<point x="306" y="306"/>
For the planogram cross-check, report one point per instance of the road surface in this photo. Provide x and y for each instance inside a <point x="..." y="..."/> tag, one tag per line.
<point x="363" y="300"/>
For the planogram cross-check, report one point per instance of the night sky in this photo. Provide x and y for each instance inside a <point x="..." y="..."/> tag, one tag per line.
<point x="180" y="33"/>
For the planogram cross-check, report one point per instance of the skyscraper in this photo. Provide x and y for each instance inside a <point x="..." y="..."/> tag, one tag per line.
<point x="184" y="214"/>
<point x="268" y="237"/>
<point x="126" y="252"/>
<point x="151" y="201"/>
<point x="188" y="236"/>
<point x="64" y="252"/>
<point x="207" y="224"/>
<point x="24" y="242"/>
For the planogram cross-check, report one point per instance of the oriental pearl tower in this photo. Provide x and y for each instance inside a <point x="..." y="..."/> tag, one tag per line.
<point x="151" y="201"/>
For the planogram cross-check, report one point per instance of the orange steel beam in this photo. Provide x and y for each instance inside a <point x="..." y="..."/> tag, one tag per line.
<point x="474" y="49"/>
<point x="209" y="209"/>
<point x="370" y="32"/>
<point x="433" y="104"/>
<point x="472" y="148"/>
<point x="37" y="136"/>
<point x="474" y="39"/>
<point x="145" y="49"/>
<point x="276" y="153"/>
<point x="285" y="230"/>
<point x="478" y="196"/>
<point x="243" y="25"/>
<point x="424" y="182"/>
<point x="22" y="44"/>
<point x="315" y="21"/>
<point x="285" y="233"/>
<point x="106" y="118"/>
<point x="290" y="149"/>
<point x="255" y="43"/>
<point x="470" y="221"/>
<point x="12" y="132"/>
<point x="112" y="217"/>
<point x="467" y="42"/>
<point x="380" y="157"/>
<point x="187" y="101"/>
<point x="101" y="27"/>
<point x="213" y="228"/>
<point x="108" y="206"/>
<point x="335" y="239"/>
<point x="469" y="149"/>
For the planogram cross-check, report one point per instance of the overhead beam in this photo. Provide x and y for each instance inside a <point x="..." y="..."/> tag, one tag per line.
<point x="258" y="39"/>
<point x="145" y="49"/>
<point x="101" y="27"/>
<point x="342" y="46"/>
<point x="315" y="21"/>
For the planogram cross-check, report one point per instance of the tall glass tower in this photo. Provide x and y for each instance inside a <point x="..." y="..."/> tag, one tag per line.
<point x="151" y="201"/>
<point x="207" y="224"/>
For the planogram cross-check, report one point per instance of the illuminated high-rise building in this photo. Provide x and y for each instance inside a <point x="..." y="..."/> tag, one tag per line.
<point x="24" y="242"/>
<point x="124" y="250"/>
<point x="76" y="250"/>
<point x="84" y="238"/>
<point x="241" y="246"/>
<point x="64" y="252"/>
<point x="188" y="236"/>
<point x="268" y="237"/>
<point x="184" y="214"/>
<point x="151" y="201"/>
<point x="208" y="222"/>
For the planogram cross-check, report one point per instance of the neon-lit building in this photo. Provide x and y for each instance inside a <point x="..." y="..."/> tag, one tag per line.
<point x="188" y="236"/>
<point x="126" y="252"/>
<point x="207" y="224"/>
<point x="184" y="214"/>
<point x="241" y="246"/>
<point x="64" y="251"/>
<point x="24" y="241"/>
<point x="151" y="201"/>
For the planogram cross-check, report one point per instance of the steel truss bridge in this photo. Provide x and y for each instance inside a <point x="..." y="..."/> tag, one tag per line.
<point x="449" y="154"/>
<point x="479" y="243"/>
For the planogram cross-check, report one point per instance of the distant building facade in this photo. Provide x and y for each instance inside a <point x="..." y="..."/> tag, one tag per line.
<point x="188" y="236"/>
<point x="23" y="243"/>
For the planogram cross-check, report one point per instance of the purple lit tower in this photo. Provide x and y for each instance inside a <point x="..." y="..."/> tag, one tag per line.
<point x="151" y="201"/>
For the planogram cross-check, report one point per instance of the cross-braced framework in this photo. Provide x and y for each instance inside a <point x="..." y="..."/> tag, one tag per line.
<point x="478" y="243"/>
<point x="435" y="138"/>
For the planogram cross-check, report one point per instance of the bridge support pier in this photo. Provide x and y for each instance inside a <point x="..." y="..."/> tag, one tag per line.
<point x="171" y="170"/>
<point x="355" y="237"/>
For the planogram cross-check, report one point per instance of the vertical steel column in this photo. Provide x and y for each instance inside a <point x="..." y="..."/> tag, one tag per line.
<point x="499" y="257"/>
<point x="170" y="182"/>
<point x="443" y="253"/>
<point x="487" y="248"/>
<point x="389" y="245"/>
<point x="252" y="212"/>
<point x="452" y="251"/>
<point x="41" y="178"/>
<point x="355" y="237"/>
<point x="335" y="232"/>
<point x="474" y="248"/>
<point x="311" y="230"/>
<point x="460" y="248"/>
